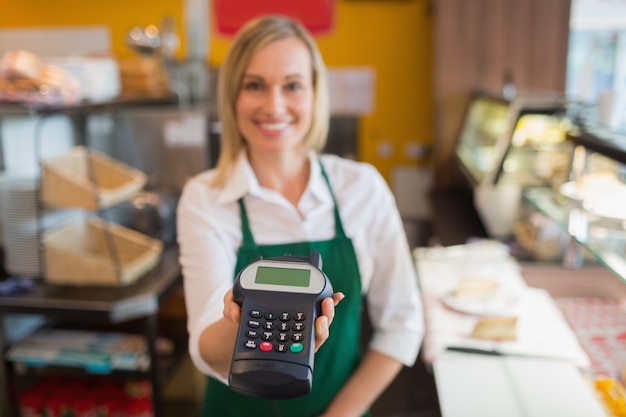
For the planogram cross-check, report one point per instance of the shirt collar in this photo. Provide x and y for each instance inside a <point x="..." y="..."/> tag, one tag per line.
<point x="243" y="181"/>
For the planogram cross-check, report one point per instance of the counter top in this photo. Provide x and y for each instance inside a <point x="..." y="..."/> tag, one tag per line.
<point x="541" y="329"/>
<point x="489" y="386"/>
<point x="540" y="373"/>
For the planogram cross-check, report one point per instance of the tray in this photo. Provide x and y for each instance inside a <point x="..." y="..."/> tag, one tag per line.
<point x="96" y="252"/>
<point x="88" y="179"/>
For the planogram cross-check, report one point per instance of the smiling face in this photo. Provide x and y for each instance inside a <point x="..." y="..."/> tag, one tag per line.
<point x="274" y="106"/>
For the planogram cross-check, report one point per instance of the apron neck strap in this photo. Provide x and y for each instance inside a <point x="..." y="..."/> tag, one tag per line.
<point x="339" y="232"/>
<point x="248" y="238"/>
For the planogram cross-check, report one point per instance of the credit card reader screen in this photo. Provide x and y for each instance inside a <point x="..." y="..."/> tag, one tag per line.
<point x="280" y="299"/>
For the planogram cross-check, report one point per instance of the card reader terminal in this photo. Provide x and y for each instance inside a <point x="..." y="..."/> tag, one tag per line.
<point x="280" y="299"/>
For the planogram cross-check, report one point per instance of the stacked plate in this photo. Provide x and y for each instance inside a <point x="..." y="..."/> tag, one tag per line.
<point x="23" y="223"/>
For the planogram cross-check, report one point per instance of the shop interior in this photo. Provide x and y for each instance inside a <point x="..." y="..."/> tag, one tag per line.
<point x="499" y="125"/>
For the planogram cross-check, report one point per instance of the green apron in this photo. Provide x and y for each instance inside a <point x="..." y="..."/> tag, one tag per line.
<point x="338" y="357"/>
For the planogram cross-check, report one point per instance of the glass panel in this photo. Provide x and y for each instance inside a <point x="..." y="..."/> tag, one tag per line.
<point x="485" y="121"/>
<point x="538" y="154"/>
<point x="604" y="238"/>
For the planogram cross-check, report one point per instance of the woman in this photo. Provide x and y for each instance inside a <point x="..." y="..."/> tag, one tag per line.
<point x="271" y="194"/>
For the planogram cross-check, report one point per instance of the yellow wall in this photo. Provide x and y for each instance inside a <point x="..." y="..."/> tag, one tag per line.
<point x="392" y="36"/>
<point x="118" y="15"/>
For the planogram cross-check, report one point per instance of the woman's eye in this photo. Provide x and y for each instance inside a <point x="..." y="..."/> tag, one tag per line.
<point x="294" y="86"/>
<point x="252" y="86"/>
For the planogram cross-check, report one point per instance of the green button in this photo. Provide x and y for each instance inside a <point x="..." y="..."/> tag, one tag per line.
<point x="296" y="348"/>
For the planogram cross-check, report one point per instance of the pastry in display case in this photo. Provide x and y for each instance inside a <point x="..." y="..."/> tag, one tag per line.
<point x="598" y="174"/>
<point x="591" y="205"/>
<point x="596" y="193"/>
<point x="507" y="146"/>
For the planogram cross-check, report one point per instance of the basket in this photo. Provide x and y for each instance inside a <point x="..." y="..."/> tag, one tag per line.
<point x="88" y="179"/>
<point x="96" y="252"/>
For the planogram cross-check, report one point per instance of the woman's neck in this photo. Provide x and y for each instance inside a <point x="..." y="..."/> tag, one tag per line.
<point x="287" y="174"/>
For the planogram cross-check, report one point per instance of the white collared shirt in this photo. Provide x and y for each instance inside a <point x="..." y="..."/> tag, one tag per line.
<point x="209" y="235"/>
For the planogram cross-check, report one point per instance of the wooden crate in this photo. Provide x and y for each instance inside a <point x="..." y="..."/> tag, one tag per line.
<point x="88" y="179"/>
<point x="79" y="253"/>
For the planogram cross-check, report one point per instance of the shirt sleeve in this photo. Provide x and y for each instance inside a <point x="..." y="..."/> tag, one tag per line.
<point x="207" y="261"/>
<point x="393" y="298"/>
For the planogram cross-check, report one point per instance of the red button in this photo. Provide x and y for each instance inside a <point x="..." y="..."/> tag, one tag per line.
<point x="265" y="346"/>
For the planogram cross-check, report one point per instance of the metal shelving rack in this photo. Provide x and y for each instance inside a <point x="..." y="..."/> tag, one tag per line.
<point x="107" y="305"/>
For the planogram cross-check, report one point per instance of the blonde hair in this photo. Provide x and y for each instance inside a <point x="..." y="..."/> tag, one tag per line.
<point x="252" y="37"/>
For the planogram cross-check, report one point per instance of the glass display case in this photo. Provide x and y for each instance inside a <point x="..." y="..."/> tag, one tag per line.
<point x="591" y="205"/>
<point x="507" y="146"/>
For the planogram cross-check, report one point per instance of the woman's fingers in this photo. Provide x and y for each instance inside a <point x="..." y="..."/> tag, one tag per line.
<point x="232" y="311"/>
<point x="337" y="297"/>
<point x="321" y="331"/>
<point x="323" y="322"/>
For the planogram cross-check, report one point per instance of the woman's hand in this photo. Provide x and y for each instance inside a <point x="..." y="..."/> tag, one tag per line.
<point x="232" y="312"/>
<point x="323" y="322"/>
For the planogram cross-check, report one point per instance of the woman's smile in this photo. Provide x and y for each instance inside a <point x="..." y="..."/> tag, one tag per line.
<point x="273" y="129"/>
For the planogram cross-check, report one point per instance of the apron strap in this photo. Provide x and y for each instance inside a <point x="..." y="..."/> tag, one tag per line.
<point x="248" y="238"/>
<point x="339" y="232"/>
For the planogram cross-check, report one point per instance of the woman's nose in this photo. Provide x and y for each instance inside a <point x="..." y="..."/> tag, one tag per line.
<point x="274" y="101"/>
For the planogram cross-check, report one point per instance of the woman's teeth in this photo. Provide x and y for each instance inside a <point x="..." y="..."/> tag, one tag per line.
<point x="274" y="126"/>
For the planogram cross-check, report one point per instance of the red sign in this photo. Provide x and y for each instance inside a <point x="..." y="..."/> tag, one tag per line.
<point x="316" y="15"/>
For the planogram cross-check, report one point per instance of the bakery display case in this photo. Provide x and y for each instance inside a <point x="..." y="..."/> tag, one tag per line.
<point x="590" y="206"/>
<point x="506" y="146"/>
<point x="518" y="142"/>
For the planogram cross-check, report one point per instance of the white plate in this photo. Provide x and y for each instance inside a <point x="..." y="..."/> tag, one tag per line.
<point x="499" y="304"/>
<point x="608" y="207"/>
<point x="570" y="190"/>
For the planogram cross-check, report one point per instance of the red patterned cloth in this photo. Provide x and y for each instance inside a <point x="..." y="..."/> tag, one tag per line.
<point x="600" y="325"/>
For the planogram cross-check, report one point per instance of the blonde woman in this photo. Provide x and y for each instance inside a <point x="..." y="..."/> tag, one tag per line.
<point x="273" y="193"/>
